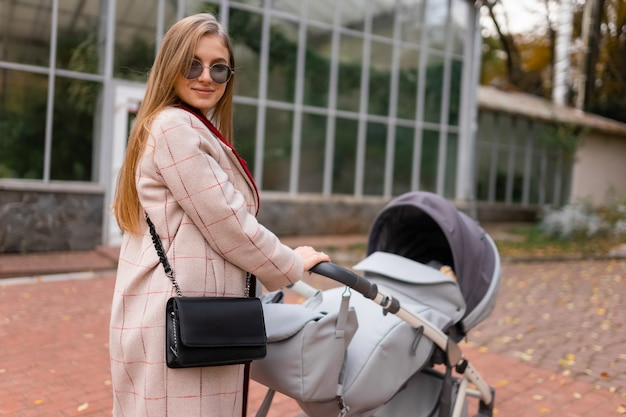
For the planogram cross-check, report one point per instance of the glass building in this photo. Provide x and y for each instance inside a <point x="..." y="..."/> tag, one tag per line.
<point x="351" y="97"/>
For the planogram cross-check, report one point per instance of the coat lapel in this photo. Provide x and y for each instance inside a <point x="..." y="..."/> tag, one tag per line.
<point x="237" y="160"/>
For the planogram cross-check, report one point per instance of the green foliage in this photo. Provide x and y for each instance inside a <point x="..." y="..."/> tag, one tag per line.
<point x="23" y="140"/>
<point x="564" y="138"/>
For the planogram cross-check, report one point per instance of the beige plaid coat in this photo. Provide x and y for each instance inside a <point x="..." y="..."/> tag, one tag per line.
<point x="203" y="206"/>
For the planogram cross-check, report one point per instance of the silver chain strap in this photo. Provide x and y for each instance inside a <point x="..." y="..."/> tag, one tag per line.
<point x="169" y="272"/>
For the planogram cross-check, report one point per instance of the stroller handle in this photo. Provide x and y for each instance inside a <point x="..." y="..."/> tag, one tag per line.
<point x="347" y="277"/>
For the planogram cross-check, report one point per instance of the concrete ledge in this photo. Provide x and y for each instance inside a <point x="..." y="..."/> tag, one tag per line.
<point x="51" y="186"/>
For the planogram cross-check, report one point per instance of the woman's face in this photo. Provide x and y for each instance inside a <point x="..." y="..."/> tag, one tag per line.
<point x="202" y="92"/>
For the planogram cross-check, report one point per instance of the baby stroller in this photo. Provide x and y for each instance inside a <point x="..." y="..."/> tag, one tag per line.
<point x="342" y="354"/>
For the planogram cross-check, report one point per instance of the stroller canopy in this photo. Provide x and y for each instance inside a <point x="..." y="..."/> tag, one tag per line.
<point x="425" y="227"/>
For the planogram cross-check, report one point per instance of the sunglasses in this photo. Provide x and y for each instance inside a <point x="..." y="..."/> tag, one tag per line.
<point x="220" y="73"/>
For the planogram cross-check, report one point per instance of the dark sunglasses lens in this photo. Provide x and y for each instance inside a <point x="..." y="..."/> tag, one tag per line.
<point x="220" y="73"/>
<point x="195" y="70"/>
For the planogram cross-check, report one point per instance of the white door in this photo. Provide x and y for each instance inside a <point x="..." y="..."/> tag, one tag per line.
<point x="126" y="100"/>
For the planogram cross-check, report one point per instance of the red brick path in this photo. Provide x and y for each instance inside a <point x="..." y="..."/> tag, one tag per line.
<point x="54" y="360"/>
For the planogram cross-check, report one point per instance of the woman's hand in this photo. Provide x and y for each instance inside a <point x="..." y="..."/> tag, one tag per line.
<point x="311" y="257"/>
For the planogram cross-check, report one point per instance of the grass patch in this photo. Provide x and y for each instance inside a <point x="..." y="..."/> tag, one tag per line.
<point x="530" y="240"/>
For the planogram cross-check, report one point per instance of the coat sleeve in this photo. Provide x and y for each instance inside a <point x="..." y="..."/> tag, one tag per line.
<point x="203" y="179"/>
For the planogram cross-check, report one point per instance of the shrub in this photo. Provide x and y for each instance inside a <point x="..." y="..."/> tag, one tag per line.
<point x="580" y="220"/>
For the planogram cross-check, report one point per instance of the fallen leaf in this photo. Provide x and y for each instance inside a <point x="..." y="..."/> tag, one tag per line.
<point x="524" y="356"/>
<point x="537" y="397"/>
<point x="621" y="409"/>
<point x="604" y="374"/>
<point x="83" y="407"/>
<point x="544" y="410"/>
<point x="577" y="395"/>
<point x="38" y="402"/>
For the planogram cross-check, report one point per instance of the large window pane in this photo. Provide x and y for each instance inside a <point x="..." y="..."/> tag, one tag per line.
<point x="312" y="153"/>
<point x="383" y="18"/>
<point x="22" y="124"/>
<point x="80" y="36"/>
<point x="72" y="143"/>
<point x="411" y="17"/>
<point x="375" y="151"/>
<point x="25" y="32"/>
<point x="317" y="69"/>
<point x="461" y="16"/>
<point x="322" y="10"/>
<point x="283" y="61"/>
<point x="403" y="160"/>
<point x="454" y="109"/>
<point x="430" y="153"/>
<point x="277" y="152"/>
<point x="433" y="89"/>
<point x="135" y="38"/>
<point x="483" y="160"/>
<point x="436" y="15"/>
<point x="245" y="31"/>
<point x="349" y="88"/>
<point x="407" y="84"/>
<point x="380" y="78"/>
<point x="245" y="131"/>
<point x="452" y="147"/>
<point x="344" y="163"/>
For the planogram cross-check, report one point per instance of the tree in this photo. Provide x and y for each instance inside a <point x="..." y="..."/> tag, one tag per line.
<point x="525" y="61"/>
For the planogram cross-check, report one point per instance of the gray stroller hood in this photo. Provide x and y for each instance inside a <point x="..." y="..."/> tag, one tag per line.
<point x="425" y="227"/>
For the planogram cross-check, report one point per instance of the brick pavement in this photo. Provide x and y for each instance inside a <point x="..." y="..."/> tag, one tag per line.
<point x="553" y="346"/>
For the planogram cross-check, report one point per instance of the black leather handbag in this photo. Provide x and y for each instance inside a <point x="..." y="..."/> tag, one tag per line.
<point x="210" y="331"/>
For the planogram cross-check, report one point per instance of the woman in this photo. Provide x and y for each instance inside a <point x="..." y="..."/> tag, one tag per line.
<point x="182" y="172"/>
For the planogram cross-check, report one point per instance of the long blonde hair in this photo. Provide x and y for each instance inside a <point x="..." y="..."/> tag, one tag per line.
<point x="173" y="59"/>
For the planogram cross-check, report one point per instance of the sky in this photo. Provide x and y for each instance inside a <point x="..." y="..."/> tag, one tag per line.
<point x="522" y="15"/>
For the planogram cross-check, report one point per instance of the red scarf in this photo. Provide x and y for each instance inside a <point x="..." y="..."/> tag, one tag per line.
<point x="217" y="133"/>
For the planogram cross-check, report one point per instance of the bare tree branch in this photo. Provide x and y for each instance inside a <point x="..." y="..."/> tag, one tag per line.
<point x="513" y="59"/>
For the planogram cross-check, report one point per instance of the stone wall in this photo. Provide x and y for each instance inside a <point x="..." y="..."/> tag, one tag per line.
<point x="40" y="217"/>
<point x="314" y="215"/>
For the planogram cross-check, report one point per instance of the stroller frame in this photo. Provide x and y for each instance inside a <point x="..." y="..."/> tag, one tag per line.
<point x="453" y="354"/>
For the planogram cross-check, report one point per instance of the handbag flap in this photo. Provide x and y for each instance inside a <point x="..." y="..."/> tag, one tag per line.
<point x="220" y="321"/>
<point x="285" y="320"/>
